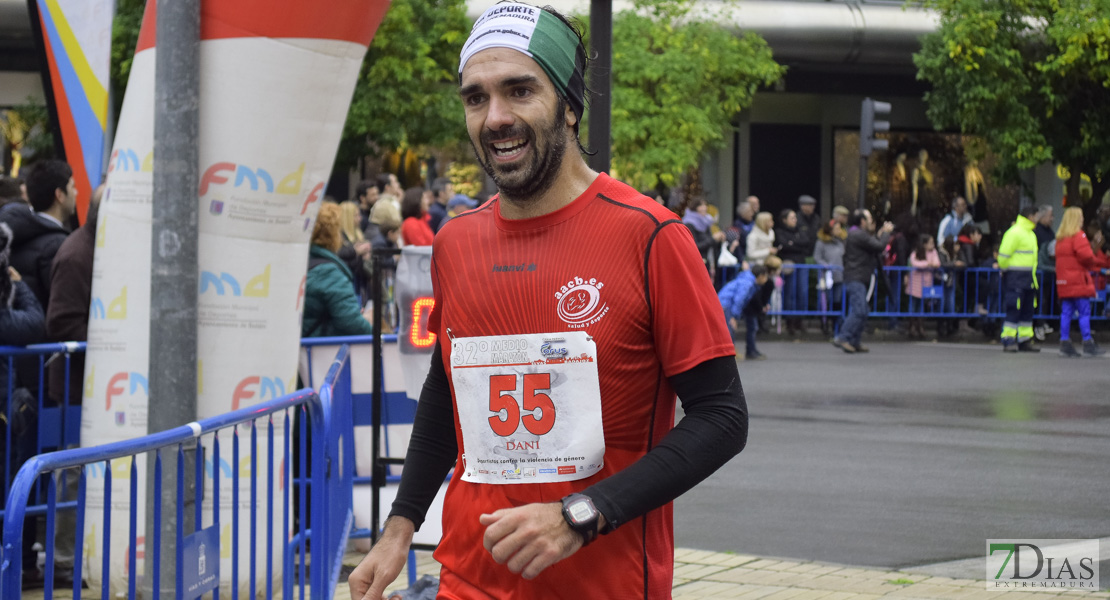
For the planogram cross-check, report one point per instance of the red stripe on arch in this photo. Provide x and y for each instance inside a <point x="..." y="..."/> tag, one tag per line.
<point x="344" y="20"/>
<point x="147" y="29"/>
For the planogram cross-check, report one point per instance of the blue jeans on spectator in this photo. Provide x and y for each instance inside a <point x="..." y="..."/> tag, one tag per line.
<point x="751" y="323"/>
<point x="994" y="292"/>
<point x="949" y="299"/>
<point x="1083" y="307"/>
<point x="831" y="301"/>
<point x="852" y="330"/>
<point x="795" y="292"/>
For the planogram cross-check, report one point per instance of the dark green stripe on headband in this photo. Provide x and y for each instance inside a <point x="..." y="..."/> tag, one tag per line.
<point x="554" y="46"/>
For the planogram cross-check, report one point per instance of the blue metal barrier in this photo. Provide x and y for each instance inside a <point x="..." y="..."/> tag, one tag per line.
<point x="395" y="409"/>
<point x="326" y="526"/>
<point x="51" y="425"/>
<point x="955" y="293"/>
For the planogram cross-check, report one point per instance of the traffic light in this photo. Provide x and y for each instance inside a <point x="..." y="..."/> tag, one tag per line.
<point x="868" y="126"/>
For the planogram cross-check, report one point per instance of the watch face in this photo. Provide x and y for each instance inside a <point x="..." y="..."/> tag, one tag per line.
<point x="580" y="511"/>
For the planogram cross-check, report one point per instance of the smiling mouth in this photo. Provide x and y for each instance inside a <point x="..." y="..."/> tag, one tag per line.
<point x="508" y="149"/>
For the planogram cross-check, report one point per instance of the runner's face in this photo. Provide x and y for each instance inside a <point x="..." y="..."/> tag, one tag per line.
<point x="517" y="123"/>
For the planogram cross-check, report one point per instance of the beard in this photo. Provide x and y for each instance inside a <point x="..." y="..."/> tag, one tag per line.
<point x="525" y="180"/>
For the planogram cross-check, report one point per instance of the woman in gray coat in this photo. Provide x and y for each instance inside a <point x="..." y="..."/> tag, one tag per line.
<point x="829" y="252"/>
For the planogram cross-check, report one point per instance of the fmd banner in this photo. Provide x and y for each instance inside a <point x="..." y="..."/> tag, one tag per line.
<point x="276" y="79"/>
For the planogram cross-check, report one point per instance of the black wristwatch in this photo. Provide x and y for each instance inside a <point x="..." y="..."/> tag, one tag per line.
<point x="582" y="516"/>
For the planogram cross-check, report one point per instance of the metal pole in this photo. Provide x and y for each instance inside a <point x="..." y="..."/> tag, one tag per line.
<point x="173" y="268"/>
<point x="862" y="181"/>
<point x="601" y="82"/>
<point x="377" y="468"/>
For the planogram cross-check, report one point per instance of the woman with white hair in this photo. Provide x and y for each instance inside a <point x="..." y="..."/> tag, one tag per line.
<point x="761" y="241"/>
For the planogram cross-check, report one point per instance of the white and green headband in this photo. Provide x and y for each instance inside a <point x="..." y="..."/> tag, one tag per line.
<point x="538" y="34"/>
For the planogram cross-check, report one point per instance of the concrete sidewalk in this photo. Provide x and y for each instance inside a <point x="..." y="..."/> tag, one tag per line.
<point x="702" y="574"/>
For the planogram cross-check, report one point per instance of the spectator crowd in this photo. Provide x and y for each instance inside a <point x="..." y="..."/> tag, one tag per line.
<point x="805" y="268"/>
<point x="959" y="279"/>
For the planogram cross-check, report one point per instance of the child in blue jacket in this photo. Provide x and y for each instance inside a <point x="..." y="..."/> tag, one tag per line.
<point x="741" y="299"/>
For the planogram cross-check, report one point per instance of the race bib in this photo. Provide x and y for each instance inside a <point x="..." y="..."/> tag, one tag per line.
<point x="529" y="407"/>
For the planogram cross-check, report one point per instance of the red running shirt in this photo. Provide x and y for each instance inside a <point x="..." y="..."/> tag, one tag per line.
<point x="657" y="316"/>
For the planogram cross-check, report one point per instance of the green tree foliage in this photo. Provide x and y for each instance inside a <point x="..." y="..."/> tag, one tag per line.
<point x="677" y="85"/>
<point x="27" y="130"/>
<point x="1032" y="77"/>
<point x="125" y="36"/>
<point x="407" y="91"/>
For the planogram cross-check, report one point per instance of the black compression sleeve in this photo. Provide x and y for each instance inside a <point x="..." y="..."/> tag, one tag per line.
<point x="713" y="430"/>
<point x="432" y="446"/>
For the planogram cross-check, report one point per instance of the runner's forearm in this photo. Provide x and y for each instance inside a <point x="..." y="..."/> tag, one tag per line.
<point x="713" y="430"/>
<point x="432" y="447"/>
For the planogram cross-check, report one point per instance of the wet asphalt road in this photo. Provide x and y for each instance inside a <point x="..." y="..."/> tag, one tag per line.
<point x="912" y="454"/>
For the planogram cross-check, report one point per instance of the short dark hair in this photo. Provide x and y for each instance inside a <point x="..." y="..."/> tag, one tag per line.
<point x="784" y="214"/>
<point x="387" y="228"/>
<point x="412" y="203"/>
<point x="46" y="177"/>
<point x="439" y="185"/>
<point x="1028" y="212"/>
<point x="969" y="230"/>
<point x="856" y="218"/>
<point x="365" y="184"/>
<point x="758" y="270"/>
<point x="382" y="181"/>
<point x="9" y="188"/>
<point x="919" y="249"/>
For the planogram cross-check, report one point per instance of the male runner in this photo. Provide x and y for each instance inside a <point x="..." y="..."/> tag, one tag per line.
<point x="570" y="309"/>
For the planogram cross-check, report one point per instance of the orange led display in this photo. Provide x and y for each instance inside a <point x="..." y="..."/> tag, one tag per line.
<point x="418" y="335"/>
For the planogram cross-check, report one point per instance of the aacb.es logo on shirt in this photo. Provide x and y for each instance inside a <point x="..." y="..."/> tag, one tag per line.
<point x="1042" y="565"/>
<point x="579" y="302"/>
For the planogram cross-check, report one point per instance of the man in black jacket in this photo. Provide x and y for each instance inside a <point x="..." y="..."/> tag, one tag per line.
<point x="861" y="257"/>
<point x="809" y="221"/>
<point x="39" y="229"/>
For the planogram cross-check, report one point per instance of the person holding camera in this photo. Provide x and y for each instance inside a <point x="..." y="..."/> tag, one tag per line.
<point x="862" y="251"/>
